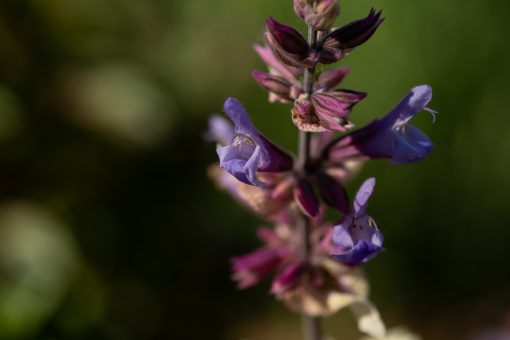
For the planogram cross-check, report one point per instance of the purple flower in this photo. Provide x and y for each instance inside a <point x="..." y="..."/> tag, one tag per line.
<point x="357" y="239"/>
<point x="249" y="151"/>
<point x="341" y="41"/>
<point x="391" y="137"/>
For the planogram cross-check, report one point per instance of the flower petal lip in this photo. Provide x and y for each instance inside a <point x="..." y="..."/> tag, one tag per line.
<point x="362" y="252"/>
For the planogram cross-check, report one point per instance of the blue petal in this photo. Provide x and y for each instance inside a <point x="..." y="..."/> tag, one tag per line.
<point x="415" y="101"/>
<point x="232" y="160"/>
<point x="342" y="237"/>
<point x="362" y="252"/>
<point x="235" y="110"/>
<point x="220" y="130"/>
<point x="410" y="145"/>
<point x="362" y="196"/>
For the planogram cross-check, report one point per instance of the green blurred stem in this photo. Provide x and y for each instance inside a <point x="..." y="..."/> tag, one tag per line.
<point x="311" y="325"/>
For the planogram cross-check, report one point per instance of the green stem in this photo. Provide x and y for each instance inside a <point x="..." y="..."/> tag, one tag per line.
<point x="311" y="325"/>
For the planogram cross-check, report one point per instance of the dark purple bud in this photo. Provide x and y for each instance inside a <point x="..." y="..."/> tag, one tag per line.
<point x="330" y="55"/>
<point x="357" y="239"/>
<point x="287" y="37"/>
<point x="333" y="193"/>
<point x="288" y="44"/>
<point x="339" y="42"/>
<point x="305" y="197"/>
<point x="330" y="79"/>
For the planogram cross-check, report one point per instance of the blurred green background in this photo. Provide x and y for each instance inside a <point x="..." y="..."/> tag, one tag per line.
<point x="109" y="228"/>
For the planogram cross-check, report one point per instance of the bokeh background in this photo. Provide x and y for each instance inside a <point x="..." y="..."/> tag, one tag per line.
<point x="110" y="229"/>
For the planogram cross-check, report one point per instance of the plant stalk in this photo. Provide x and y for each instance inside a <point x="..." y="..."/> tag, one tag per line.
<point x="311" y="325"/>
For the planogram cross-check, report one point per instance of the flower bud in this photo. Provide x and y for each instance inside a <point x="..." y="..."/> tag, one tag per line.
<point x="320" y="14"/>
<point x="341" y="41"/>
<point x="288" y="44"/>
<point x="305" y="197"/>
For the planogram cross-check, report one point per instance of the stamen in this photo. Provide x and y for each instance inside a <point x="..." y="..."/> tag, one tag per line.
<point x="240" y="139"/>
<point x="371" y="222"/>
<point x="433" y="113"/>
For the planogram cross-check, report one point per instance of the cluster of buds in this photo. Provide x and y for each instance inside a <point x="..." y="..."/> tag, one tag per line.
<point x="317" y="274"/>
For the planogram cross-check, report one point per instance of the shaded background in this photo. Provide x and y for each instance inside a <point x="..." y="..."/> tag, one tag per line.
<point x="109" y="228"/>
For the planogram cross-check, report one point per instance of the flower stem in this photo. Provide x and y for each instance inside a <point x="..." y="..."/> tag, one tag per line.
<point x="311" y="325"/>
